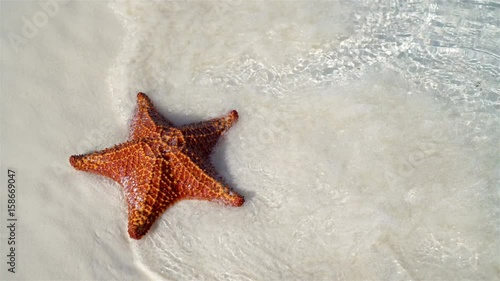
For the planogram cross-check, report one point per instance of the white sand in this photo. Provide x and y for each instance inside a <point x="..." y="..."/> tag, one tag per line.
<point x="367" y="145"/>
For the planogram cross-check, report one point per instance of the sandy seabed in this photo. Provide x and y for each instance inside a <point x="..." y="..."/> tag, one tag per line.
<point x="367" y="145"/>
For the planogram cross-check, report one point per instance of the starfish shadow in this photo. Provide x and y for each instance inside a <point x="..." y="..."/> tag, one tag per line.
<point x="218" y="160"/>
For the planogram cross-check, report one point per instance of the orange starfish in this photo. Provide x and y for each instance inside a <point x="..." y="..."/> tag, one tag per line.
<point x="161" y="164"/>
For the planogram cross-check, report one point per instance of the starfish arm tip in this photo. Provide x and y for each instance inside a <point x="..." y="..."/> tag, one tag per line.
<point x="74" y="160"/>
<point x="143" y="100"/>
<point x="234" y="199"/>
<point x="137" y="231"/>
<point x="233" y="114"/>
<point x="134" y="235"/>
<point x="238" y="202"/>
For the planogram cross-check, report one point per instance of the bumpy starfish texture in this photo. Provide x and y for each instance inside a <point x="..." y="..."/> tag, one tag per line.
<point x="161" y="164"/>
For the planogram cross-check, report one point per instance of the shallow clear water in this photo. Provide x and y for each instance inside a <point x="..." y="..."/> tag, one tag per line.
<point x="367" y="146"/>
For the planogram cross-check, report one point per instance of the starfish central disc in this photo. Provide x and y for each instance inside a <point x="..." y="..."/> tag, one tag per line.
<point x="161" y="164"/>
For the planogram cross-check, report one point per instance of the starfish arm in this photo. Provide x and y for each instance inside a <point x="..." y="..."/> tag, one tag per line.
<point x="148" y="199"/>
<point x="147" y="120"/>
<point x="149" y="189"/>
<point x="118" y="162"/>
<point x="195" y="183"/>
<point x="202" y="137"/>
